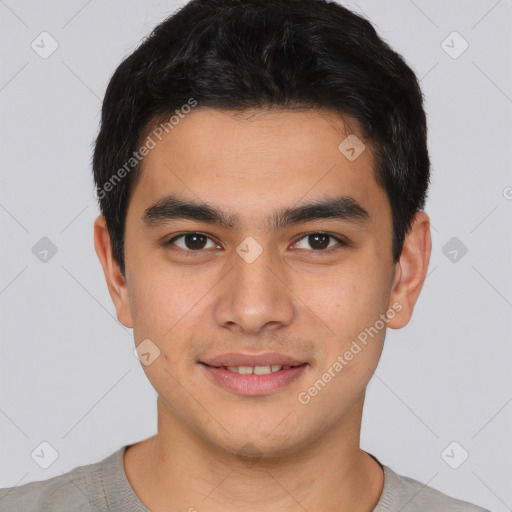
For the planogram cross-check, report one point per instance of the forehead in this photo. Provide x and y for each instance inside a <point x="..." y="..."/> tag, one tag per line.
<point x="226" y="136"/>
<point x="249" y="161"/>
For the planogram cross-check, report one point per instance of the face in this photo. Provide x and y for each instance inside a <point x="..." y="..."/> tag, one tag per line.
<point x="255" y="241"/>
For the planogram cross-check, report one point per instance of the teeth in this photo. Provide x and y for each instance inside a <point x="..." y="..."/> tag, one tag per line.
<point x="262" y="370"/>
<point x="257" y="370"/>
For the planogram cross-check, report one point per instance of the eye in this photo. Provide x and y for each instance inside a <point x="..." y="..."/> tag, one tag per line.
<point x="321" y="242"/>
<point x="191" y="242"/>
<point x="194" y="243"/>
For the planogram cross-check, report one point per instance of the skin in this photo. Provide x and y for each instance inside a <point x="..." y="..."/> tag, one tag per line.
<point x="291" y="299"/>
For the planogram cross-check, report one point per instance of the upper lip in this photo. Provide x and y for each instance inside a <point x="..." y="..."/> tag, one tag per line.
<point x="241" y="359"/>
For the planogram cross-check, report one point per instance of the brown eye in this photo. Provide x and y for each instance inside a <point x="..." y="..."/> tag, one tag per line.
<point x="191" y="242"/>
<point x="320" y="242"/>
<point x="195" y="241"/>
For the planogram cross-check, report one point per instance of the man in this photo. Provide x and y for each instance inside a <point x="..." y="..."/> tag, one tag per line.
<point x="261" y="170"/>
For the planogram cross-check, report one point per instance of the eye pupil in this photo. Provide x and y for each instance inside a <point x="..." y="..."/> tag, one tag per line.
<point x="198" y="241"/>
<point x="318" y="241"/>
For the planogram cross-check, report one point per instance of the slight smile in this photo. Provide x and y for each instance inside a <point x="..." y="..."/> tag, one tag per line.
<point x="254" y="375"/>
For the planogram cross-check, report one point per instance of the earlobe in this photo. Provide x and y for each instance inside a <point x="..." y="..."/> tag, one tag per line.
<point x="412" y="269"/>
<point x="116" y="282"/>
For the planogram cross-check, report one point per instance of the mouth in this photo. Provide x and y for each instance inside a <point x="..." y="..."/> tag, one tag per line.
<point x="253" y="375"/>
<point x="257" y="370"/>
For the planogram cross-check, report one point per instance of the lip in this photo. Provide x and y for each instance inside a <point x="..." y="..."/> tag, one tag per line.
<point x="245" y="359"/>
<point x="253" y="385"/>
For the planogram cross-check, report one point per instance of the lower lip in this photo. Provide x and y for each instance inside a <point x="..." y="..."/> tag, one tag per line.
<point x="252" y="384"/>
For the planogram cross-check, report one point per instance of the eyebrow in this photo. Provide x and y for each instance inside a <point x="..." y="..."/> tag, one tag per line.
<point x="171" y="207"/>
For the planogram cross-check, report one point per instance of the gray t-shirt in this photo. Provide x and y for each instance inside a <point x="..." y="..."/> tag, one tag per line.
<point x="103" y="486"/>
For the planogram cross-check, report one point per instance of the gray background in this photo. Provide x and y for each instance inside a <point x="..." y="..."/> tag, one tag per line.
<point x="68" y="373"/>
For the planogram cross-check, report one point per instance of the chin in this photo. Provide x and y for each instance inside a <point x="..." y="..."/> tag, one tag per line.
<point x="268" y="443"/>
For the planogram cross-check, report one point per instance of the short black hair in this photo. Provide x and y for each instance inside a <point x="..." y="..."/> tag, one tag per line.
<point x="241" y="55"/>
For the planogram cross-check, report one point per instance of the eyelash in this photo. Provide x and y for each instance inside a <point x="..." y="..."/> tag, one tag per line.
<point x="320" y="252"/>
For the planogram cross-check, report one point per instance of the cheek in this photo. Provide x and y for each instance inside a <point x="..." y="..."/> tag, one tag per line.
<point x="166" y="302"/>
<point x="349" y="302"/>
<point x="347" y="299"/>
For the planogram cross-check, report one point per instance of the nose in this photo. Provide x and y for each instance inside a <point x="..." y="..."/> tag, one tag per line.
<point x="254" y="296"/>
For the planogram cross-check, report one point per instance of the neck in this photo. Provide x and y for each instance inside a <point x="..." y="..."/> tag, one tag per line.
<point x="177" y="470"/>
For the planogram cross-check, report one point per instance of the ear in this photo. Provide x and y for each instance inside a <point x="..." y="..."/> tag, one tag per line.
<point x="115" y="280"/>
<point x="411" y="270"/>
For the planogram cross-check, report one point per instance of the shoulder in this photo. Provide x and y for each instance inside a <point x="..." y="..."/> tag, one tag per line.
<point x="76" y="490"/>
<point x="408" y="495"/>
